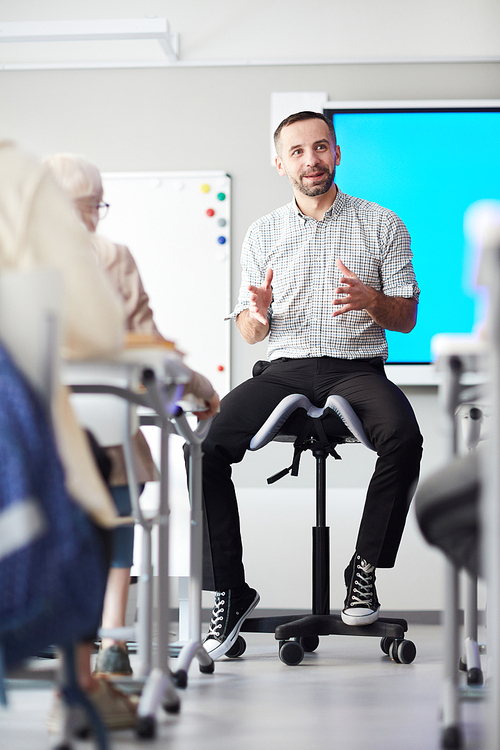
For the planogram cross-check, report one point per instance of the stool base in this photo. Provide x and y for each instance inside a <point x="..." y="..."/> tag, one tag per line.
<point x="297" y="626"/>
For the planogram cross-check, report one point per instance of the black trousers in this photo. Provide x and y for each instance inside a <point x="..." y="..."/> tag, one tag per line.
<point x="388" y="421"/>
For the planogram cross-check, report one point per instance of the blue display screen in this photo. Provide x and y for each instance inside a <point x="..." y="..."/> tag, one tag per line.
<point x="428" y="167"/>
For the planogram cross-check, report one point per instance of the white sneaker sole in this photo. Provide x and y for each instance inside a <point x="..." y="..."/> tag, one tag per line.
<point x="367" y="619"/>
<point x="219" y="649"/>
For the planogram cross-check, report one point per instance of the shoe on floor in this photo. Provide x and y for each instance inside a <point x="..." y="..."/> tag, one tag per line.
<point x="361" y="606"/>
<point x="228" y="615"/>
<point x="116" y="710"/>
<point x="112" y="661"/>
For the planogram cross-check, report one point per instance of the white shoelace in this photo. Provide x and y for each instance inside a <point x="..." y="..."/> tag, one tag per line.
<point x="217" y="619"/>
<point x="362" y="591"/>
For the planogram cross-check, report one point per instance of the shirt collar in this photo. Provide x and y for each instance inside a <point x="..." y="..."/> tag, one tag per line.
<point x="334" y="210"/>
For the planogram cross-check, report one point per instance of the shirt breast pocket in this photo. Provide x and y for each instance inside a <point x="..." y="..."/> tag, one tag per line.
<point x="366" y="268"/>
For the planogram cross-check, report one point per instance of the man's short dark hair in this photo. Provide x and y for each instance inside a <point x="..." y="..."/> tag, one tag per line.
<point x="299" y="117"/>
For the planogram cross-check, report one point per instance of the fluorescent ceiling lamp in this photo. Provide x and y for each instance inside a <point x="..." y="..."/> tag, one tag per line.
<point x="97" y="30"/>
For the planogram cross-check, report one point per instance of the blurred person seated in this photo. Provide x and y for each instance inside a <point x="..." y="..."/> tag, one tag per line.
<point x="81" y="181"/>
<point x="38" y="229"/>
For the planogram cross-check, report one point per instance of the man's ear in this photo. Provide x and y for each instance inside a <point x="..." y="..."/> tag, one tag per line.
<point x="279" y="166"/>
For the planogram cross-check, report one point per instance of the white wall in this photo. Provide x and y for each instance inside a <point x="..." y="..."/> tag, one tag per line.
<point x="217" y="117"/>
<point x="278" y="30"/>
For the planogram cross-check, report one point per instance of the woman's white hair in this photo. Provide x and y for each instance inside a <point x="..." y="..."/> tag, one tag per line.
<point x="78" y="177"/>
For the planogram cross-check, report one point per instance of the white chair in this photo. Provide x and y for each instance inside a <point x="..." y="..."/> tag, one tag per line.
<point x="456" y="357"/>
<point x="30" y="308"/>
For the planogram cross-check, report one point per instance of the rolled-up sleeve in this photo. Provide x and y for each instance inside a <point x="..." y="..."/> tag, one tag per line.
<point x="398" y="276"/>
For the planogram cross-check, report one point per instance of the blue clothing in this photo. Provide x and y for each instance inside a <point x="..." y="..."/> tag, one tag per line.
<point x="52" y="565"/>
<point x="123" y="536"/>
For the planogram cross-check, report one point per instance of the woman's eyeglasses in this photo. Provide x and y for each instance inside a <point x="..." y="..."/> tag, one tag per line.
<point x="102" y="209"/>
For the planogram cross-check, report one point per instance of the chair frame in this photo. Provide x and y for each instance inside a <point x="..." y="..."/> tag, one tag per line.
<point x="455" y="357"/>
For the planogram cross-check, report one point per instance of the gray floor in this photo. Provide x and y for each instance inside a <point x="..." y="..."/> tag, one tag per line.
<point x="346" y="695"/>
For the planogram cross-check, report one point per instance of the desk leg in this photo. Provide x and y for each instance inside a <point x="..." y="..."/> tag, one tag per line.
<point x="451" y="730"/>
<point x="145" y="605"/>
<point x="159" y="689"/>
<point x="193" y="648"/>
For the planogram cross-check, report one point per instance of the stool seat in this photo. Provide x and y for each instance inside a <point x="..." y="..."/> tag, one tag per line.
<point x="344" y="426"/>
<point x="318" y="429"/>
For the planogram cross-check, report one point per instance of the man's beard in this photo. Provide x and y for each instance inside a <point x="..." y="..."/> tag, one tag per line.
<point x="319" y="188"/>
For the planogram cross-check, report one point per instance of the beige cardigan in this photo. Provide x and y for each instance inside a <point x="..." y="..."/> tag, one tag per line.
<point x="121" y="269"/>
<point x="38" y="229"/>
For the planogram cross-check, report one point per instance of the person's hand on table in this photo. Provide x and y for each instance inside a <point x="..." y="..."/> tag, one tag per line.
<point x="212" y="407"/>
<point x="134" y="340"/>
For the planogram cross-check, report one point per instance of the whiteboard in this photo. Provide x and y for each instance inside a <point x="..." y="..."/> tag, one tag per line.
<point x="177" y="226"/>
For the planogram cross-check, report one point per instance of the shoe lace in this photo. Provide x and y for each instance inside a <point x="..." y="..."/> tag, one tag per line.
<point x="363" y="587"/>
<point x="218" y="614"/>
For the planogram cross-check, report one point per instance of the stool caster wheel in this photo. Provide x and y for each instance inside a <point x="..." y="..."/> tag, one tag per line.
<point x="83" y="733"/>
<point x="291" y="653"/>
<point x="208" y="669"/>
<point x="386" y="643"/>
<point x="146" y="727"/>
<point x="180" y="678"/>
<point x="238" y="648"/>
<point x="309" y="643"/>
<point x="462" y="665"/>
<point x="474" y="676"/>
<point x="172" y="708"/>
<point x="402" y="652"/>
<point x="451" y="738"/>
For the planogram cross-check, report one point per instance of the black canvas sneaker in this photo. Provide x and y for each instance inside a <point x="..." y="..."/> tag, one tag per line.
<point x="228" y="615"/>
<point x="361" y="606"/>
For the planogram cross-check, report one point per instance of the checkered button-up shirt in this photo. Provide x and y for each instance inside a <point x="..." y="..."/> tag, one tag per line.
<point x="370" y="240"/>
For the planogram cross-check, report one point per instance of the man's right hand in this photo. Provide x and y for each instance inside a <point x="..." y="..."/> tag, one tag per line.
<point x="261" y="298"/>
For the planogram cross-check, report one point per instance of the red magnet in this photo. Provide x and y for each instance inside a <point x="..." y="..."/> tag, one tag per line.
<point x="220" y="368"/>
<point x="210" y="212"/>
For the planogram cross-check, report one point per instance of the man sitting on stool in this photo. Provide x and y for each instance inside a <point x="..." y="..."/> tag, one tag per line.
<point x="323" y="276"/>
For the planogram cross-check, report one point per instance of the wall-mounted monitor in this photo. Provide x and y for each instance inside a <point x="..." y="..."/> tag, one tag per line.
<point x="428" y="162"/>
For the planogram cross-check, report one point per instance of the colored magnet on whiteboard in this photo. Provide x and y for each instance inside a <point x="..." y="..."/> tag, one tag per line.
<point x="220" y="368"/>
<point x="222" y="222"/>
<point x="221" y="240"/>
<point x="221" y="196"/>
<point x="210" y="212"/>
<point x="205" y="188"/>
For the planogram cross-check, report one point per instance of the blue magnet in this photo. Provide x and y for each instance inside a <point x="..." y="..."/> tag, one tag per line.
<point x="221" y="240"/>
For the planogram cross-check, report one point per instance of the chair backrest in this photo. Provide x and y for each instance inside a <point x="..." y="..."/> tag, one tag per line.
<point x="111" y="419"/>
<point x="30" y="307"/>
